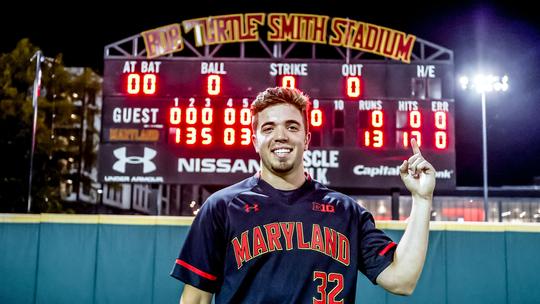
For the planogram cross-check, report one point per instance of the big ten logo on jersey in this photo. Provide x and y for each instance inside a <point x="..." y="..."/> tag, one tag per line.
<point x="322" y="207"/>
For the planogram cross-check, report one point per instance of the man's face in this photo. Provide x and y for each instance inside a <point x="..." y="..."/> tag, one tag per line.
<point x="281" y="139"/>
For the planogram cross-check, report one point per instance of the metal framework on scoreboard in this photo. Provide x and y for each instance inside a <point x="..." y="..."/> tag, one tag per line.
<point x="423" y="51"/>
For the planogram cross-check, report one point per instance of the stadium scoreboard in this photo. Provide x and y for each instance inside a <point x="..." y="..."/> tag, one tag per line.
<point x="188" y="120"/>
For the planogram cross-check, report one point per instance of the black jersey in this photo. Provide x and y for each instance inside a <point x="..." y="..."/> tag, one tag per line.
<point x="251" y="243"/>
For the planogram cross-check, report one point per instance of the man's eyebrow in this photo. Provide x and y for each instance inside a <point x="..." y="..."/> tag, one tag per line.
<point x="287" y="122"/>
<point x="271" y="123"/>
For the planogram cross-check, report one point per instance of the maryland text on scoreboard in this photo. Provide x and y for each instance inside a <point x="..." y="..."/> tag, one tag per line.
<point x="177" y="112"/>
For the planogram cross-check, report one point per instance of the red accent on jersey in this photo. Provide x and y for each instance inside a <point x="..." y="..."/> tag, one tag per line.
<point x="300" y="237"/>
<point x="196" y="270"/>
<point x="241" y="249"/>
<point x="272" y="235"/>
<point x="259" y="244"/>
<point x="343" y="251"/>
<point x="322" y="207"/>
<point x="388" y="247"/>
<point x="288" y="229"/>
<point x="248" y="208"/>
<point x="330" y="239"/>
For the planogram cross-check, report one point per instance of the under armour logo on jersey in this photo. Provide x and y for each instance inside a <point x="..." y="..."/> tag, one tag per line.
<point x="251" y="207"/>
<point x="120" y="164"/>
<point x="322" y="207"/>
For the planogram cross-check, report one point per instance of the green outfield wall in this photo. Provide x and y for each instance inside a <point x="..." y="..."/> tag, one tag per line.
<point x="49" y="258"/>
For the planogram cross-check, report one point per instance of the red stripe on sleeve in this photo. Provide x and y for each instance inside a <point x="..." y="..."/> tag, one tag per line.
<point x="196" y="270"/>
<point x="388" y="247"/>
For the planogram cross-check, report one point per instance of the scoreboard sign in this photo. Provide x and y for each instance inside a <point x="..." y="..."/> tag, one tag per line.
<point x="188" y="120"/>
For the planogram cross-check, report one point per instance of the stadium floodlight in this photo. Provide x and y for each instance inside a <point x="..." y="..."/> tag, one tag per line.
<point x="483" y="84"/>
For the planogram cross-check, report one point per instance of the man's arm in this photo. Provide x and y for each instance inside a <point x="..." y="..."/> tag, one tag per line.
<point x="194" y="295"/>
<point x="401" y="276"/>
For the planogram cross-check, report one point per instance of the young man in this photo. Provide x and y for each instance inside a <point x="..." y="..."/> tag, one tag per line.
<point x="261" y="241"/>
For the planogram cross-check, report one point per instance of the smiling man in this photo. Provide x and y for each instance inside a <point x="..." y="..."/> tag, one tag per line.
<point x="282" y="237"/>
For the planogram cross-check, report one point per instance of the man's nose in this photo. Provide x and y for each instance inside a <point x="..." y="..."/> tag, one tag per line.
<point x="280" y="134"/>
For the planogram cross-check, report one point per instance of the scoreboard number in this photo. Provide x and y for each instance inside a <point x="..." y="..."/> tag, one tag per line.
<point x="137" y="84"/>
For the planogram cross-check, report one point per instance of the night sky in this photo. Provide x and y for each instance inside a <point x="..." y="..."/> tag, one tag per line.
<point x="497" y="37"/>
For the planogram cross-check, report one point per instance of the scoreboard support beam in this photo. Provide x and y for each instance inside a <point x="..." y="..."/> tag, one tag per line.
<point x="395" y="204"/>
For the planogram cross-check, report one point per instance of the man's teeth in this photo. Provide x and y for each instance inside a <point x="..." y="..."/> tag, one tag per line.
<point x="281" y="152"/>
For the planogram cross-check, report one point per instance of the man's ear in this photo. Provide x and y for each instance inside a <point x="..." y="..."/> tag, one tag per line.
<point x="307" y="141"/>
<point x="254" y="141"/>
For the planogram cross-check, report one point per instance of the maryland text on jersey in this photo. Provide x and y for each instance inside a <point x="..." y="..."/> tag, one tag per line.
<point x="279" y="236"/>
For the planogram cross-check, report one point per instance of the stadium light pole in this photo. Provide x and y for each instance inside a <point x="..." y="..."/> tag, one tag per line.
<point x="38" y="56"/>
<point x="484" y="84"/>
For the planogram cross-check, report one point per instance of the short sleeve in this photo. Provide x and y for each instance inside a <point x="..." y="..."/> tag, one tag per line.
<point x="201" y="259"/>
<point x="376" y="249"/>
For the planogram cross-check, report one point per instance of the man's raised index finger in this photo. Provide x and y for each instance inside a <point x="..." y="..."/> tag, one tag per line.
<point x="414" y="146"/>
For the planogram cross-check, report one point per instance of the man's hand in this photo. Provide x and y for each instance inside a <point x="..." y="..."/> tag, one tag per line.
<point x="418" y="174"/>
<point x="401" y="276"/>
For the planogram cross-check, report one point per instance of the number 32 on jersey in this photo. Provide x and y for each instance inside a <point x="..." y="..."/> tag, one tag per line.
<point x="325" y="279"/>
